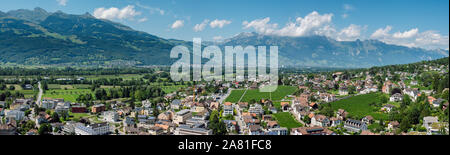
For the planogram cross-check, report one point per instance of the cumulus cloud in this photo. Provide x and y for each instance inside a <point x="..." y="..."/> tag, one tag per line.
<point x="406" y="34"/>
<point x="350" y="33"/>
<point x="219" y="23"/>
<point x="127" y="12"/>
<point x="312" y="24"/>
<point x="412" y="38"/>
<point x="177" y="24"/>
<point x="62" y="2"/>
<point x="201" y="26"/>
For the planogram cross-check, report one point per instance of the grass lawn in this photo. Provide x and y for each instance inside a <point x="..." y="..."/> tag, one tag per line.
<point x="68" y="95"/>
<point x="285" y="119"/>
<point x="359" y="106"/>
<point x="280" y="93"/>
<point x="171" y="89"/>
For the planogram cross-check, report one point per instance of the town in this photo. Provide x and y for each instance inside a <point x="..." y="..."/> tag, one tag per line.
<point x="410" y="99"/>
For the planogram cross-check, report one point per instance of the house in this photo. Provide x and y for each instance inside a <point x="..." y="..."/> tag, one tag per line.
<point x="413" y="93"/>
<point x="227" y="109"/>
<point x="214" y="105"/>
<point x="367" y="119"/>
<point x="436" y="103"/>
<point x="428" y="121"/>
<point x="387" y="108"/>
<point x="355" y="125"/>
<point x="166" y="116"/>
<point x="343" y="91"/>
<point x="182" y="116"/>
<point x="311" y="131"/>
<point x="255" y="130"/>
<point x="188" y="130"/>
<point x="6" y="129"/>
<point x="396" y="97"/>
<point x="110" y="116"/>
<point x="335" y="121"/>
<point x="93" y="129"/>
<point x="320" y="121"/>
<point x="62" y="107"/>
<point x="272" y="124"/>
<point x="176" y="104"/>
<point x="256" y="109"/>
<point x="285" y="106"/>
<point x="243" y="105"/>
<point x="78" y="109"/>
<point x="98" y="108"/>
<point x="278" y="131"/>
<point x="129" y="121"/>
<point x="393" y="125"/>
<point x="14" y="114"/>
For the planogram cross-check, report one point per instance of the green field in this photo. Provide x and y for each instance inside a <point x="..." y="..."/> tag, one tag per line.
<point x="26" y="93"/>
<point x="285" y="119"/>
<point x="279" y="94"/>
<point x="170" y="89"/>
<point x="359" y="106"/>
<point x="68" y="95"/>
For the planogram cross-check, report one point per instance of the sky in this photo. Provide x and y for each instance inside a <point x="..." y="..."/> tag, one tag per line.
<point x="412" y="23"/>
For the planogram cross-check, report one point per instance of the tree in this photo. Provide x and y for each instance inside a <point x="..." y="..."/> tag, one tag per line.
<point x="55" y="117"/>
<point x="45" y="129"/>
<point x="12" y="87"/>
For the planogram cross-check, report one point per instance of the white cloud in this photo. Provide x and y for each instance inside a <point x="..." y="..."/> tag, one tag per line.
<point x="350" y="33"/>
<point x="201" y="26"/>
<point x="62" y="2"/>
<point x="127" y="12"/>
<point x="177" y="24"/>
<point x="261" y="25"/>
<point x="312" y="24"/>
<point x="142" y="20"/>
<point x="412" y="38"/>
<point x="219" y="23"/>
<point x="406" y="34"/>
<point x="381" y="33"/>
<point x="151" y="9"/>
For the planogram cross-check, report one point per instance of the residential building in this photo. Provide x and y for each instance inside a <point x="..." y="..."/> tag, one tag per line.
<point x="110" y="116"/>
<point x="182" y="116"/>
<point x="355" y="125"/>
<point x="187" y="130"/>
<point x="227" y="109"/>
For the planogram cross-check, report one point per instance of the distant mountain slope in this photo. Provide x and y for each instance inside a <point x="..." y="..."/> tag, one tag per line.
<point x="37" y="37"/>
<point x="320" y="51"/>
<point x="77" y="40"/>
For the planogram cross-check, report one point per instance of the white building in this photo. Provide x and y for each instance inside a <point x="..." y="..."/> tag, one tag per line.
<point x="110" y="116"/>
<point x="227" y="109"/>
<point x="14" y="114"/>
<point x="94" y="129"/>
<point x="182" y="116"/>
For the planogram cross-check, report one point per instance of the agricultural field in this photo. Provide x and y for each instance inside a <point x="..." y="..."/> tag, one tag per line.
<point x="68" y="95"/>
<point x="359" y="106"/>
<point x="280" y="93"/>
<point x="170" y="89"/>
<point x="26" y="93"/>
<point x="285" y="119"/>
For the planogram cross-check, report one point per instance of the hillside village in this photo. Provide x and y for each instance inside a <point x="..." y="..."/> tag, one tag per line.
<point x="409" y="99"/>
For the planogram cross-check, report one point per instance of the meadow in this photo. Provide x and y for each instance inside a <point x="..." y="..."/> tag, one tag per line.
<point x="68" y="95"/>
<point x="359" y="106"/>
<point x="277" y="95"/>
<point x="285" y="119"/>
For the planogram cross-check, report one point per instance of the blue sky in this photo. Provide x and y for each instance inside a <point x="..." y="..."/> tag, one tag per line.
<point x="414" y="23"/>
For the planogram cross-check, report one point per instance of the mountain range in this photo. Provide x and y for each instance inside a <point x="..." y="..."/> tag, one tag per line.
<point x="38" y="37"/>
